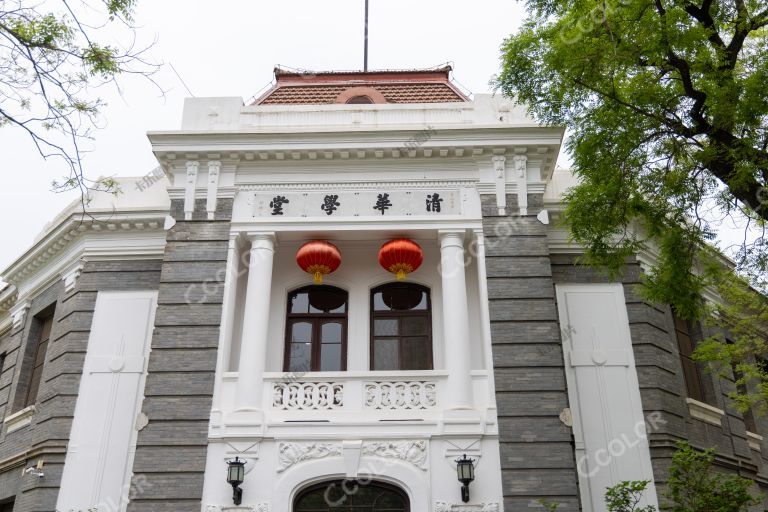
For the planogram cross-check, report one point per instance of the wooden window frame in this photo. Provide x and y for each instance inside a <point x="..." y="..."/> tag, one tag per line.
<point x="316" y="319"/>
<point x="694" y="387"/>
<point x="38" y="361"/>
<point x="374" y="315"/>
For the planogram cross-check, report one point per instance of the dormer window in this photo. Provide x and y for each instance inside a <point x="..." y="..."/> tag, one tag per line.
<point x="359" y="100"/>
<point x="361" y="95"/>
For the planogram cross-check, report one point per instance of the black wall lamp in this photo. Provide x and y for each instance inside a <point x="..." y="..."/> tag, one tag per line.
<point x="235" y="477"/>
<point x="465" y="470"/>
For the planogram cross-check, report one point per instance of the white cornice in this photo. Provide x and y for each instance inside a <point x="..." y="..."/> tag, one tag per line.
<point x="407" y="184"/>
<point x="5" y="324"/>
<point x="8" y="298"/>
<point x="96" y="237"/>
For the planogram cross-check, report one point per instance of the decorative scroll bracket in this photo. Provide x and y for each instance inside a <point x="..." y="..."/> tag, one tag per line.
<point x="71" y="274"/>
<point x="500" y="178"/>
<point x="214" y="166"/>
<point x="19" y="313"/>
<point x="191" y="186"/>
<point x="521" y="177"/>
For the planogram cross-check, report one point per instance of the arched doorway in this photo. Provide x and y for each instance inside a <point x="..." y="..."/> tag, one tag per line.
<point x="351" y="496"/>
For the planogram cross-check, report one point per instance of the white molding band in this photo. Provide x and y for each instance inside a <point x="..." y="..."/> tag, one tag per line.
<point x="19" y="419"/>
<point x="705" y="412"/>
<point x="755" y="441"/>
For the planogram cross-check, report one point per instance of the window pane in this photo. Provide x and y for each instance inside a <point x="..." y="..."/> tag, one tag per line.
<point x="300" y="357"/>
<point x="385" y="354"/>
<point x="325" y="299"/>
<point x="685" y="344"/>
<point x="692" y="382"/>
<point x="300" y="303"/>
<point x="330" y="332"/>
<point x="416" y="353"/>
<point x="330" y="357"/>
<point x="378" y="302"/>
<point x="389" y="501"/>
<point x="385" y="327"/>
<point x="398" y="297"/>
<point x="415" y="325"/>
<point x="301" y="332"/>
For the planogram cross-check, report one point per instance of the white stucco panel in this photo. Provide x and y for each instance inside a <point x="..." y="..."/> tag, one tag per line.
<point x="97" y="468"/>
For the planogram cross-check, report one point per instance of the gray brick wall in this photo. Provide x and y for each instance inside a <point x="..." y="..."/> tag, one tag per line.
<point x="171" y="450"/>
<point x="537" y="456"/>
<point x="47" y="436"/>
<point x="662" y="387"/>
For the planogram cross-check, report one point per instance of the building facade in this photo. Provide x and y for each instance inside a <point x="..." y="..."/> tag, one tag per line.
<point x="170" y="331"/>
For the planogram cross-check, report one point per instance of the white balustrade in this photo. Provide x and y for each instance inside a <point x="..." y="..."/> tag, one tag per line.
<point x="400" y="395"/>
<point x="375" y="394"/>
<point x="303" y="396"/>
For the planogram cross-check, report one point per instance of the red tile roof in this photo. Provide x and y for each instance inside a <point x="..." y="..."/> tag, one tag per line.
<point x="327" y="87"/>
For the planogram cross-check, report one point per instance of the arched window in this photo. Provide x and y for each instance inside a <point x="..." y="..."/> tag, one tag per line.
<point x="401" y="327"/>
<point x="352" y="496"/>
<point x="359" y="100"/>
<point x="316" y="330"/>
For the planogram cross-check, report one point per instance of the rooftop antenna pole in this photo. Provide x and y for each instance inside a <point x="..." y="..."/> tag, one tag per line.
<point x="365" y="58"/>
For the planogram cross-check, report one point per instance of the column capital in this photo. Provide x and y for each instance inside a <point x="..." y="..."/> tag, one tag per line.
<point x="261" y="240"/>
<point x="451" y="237"/>
<point x="235" y="238"/>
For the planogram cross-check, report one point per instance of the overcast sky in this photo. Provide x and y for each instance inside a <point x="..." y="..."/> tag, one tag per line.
<point x="229" y="49"/>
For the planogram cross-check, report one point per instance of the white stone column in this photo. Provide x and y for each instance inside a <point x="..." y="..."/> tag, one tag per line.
<point x="253" y="347"/>
<point x="456" y="336"/>
<point x="226" y="329"/>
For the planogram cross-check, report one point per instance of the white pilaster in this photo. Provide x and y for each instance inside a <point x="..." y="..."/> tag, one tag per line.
<point x="521" y="177"/>
<point x="500" y="178"/>
<point x="485" y="314"/>
<point x="253" y="348"/>
<point x="191" y="186"/>
<point x="214" y="167"/>
<point x="455" y="320"/>
<point x="227" y="325"/>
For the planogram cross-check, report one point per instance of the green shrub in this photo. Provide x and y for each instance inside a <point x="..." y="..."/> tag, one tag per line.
<point x="625" y="496"/>
<point x="695" y="486"/>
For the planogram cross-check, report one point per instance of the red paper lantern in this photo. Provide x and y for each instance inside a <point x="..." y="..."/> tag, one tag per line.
<point x="401" y="256"/>
<point x="318" y="258"/>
